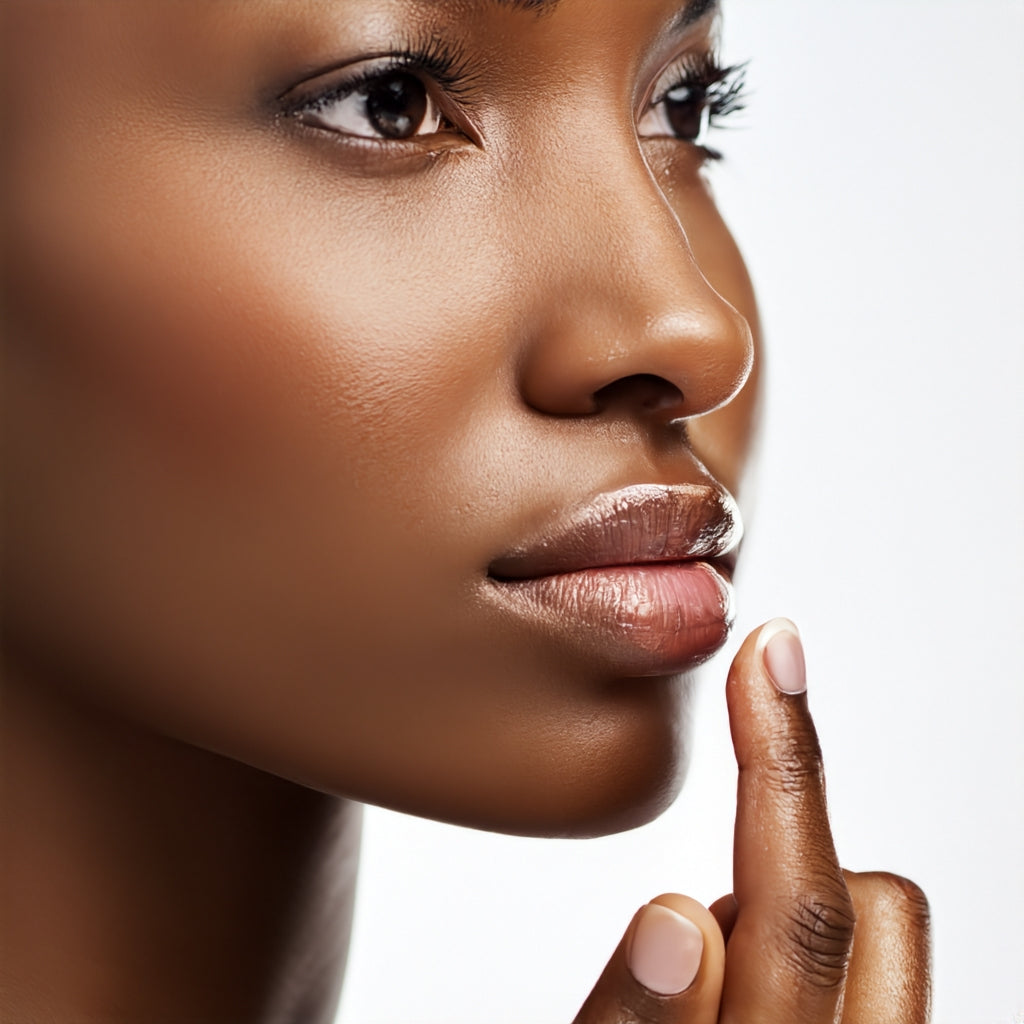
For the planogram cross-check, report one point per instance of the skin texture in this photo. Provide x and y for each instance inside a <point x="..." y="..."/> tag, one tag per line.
<point x="275" y="403"/>
<point x="315" y="392"/>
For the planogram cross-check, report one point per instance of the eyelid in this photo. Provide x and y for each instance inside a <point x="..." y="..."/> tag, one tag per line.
<point x="344" y="79"/>
<point x="688" y="66"/>
<point x="438" y="68"/>
<point x="723" y="86"/>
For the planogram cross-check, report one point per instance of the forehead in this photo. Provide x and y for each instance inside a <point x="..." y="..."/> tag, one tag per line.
<point x="192" y="17"/>
<point x="689" y="13"/>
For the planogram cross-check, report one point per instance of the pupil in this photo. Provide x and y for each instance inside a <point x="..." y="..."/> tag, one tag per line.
<point x="684" y="108"/>
<point x="396" y="104"/>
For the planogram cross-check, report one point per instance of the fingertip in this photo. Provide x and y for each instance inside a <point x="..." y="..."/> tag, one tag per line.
<point x="782" y="655"/>
<point x="771" y="724"/>
<point x="711" y="960"/>
<point x="773" y="653"/>
<point x="665" y="951"/>
<point x="670" y="966"/>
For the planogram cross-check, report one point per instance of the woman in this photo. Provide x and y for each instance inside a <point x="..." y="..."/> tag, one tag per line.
<point x="381" y="384"/>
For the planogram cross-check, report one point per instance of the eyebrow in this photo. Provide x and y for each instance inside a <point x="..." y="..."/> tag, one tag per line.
<point x="694" y="11"/>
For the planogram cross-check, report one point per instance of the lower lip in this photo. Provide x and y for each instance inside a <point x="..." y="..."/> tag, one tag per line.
<point x="641" y="620"/>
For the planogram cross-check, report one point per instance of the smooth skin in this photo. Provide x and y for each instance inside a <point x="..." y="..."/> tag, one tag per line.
<point x="274" y="400"/>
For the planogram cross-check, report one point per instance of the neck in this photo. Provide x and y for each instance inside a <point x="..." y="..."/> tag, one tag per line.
<point x="144" y="879"/>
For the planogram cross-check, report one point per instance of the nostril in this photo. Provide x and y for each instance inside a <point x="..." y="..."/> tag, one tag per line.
<point x="640" y="392"/>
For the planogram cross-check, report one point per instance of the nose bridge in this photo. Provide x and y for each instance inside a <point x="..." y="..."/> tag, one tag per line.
<point x="624" y="297"/>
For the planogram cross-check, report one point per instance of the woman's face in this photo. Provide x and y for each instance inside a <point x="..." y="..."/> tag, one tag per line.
<point x="376" y="372"/>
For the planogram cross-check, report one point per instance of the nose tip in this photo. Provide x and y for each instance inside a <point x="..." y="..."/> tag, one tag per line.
<point x="676" y="355"/>
<point x="621" y="313"/>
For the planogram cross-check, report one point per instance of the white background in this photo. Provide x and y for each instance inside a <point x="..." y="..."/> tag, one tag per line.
<point x="876" y="188"/>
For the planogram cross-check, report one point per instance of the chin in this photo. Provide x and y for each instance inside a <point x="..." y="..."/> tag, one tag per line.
<point x="624" y="811"/>
<point x="576" y="779"/>
<point x="605" y="804"/>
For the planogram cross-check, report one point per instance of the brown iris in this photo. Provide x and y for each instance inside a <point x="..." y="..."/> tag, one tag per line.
<point x="396" y="104"/>
<point x="684" y="110"/>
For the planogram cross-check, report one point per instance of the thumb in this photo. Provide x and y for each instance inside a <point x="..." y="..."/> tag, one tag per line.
<point x="668" y="968"/>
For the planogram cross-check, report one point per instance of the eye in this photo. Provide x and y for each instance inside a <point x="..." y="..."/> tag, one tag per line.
<point x="683" y="112"/>
<point x="376" y="102"/>
<point x="693" y="95"/>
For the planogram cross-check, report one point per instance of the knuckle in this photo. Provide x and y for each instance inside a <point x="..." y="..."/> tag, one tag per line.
<point x="898" y="897"/>
<point x="794" y="765"/>
<point x="819" y="932"/>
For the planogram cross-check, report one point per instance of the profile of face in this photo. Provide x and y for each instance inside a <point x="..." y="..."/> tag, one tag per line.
<point x="379" y="379"/>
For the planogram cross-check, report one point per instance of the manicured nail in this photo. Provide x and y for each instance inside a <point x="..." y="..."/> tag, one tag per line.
<point x="783" y="656"/>
<point x="665" y="952"/>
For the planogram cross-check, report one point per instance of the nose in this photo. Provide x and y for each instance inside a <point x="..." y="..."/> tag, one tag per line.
<point x="626" y="320"/>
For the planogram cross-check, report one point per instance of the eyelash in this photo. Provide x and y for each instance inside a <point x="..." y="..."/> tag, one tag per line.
<point x="438" y="62"/>
<point x="722" y="91"/>
<point x="438" y="65"/>
<point x="442" y="67"/>
<point x="726" y="85"/>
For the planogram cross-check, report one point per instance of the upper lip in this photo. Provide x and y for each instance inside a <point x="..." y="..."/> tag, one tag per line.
<point x="638" y="525"/>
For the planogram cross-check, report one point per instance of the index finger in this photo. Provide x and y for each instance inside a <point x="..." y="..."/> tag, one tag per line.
<point x="790" y="947"/>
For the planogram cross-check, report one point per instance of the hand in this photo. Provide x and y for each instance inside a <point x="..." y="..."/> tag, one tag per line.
<point x="800" y="941"/>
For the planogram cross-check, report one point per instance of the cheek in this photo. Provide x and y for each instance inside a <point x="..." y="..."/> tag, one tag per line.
<point x="199" y="369"/>
<point x="249" y="469"/>
<point x="246" y="327"/>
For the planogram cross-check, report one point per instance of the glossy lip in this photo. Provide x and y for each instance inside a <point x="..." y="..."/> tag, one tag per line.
<point x="637" y="578"/>
<point x="638" y="525"/>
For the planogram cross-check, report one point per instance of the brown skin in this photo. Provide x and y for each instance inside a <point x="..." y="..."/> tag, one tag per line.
<point x="804" y="941"/>
<point x="275" y="401"/>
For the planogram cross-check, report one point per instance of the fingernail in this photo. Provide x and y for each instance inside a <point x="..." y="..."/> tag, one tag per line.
<point x="782" y="654"/>
<point x="665" y="952"/>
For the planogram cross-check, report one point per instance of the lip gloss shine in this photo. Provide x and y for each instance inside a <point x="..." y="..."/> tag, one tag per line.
<point x="638" y="576"/>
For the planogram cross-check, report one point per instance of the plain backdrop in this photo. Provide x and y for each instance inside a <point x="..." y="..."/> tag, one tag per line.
<point x="876" y="187"/>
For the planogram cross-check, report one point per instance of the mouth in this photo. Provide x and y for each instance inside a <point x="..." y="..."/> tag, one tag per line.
<point x="639" y="578"/>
